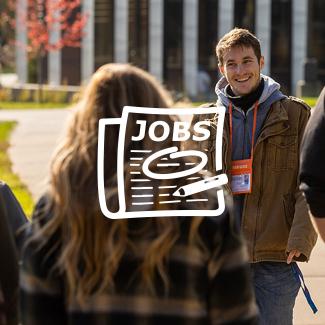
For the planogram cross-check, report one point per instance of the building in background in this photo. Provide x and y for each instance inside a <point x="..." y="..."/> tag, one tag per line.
<point x="173" y="38"/>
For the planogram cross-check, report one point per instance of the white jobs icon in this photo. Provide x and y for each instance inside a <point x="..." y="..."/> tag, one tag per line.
<point x="146" y="167"/>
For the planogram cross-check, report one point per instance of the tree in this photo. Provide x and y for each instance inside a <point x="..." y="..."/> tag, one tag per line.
<point x="6" y="34"/>
<point x="44" y="17"/>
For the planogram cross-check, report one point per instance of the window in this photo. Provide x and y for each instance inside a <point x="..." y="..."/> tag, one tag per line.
<point x="245" y="14"/>
<point x="138" y="33"/>
<point x="208" y="38"/>
<point x="173" y="44"/>
<point x="316" y="35"/>
<point x="281" y="43"/>
<point x="104" y="32"/>
<point x="71" y="61"/>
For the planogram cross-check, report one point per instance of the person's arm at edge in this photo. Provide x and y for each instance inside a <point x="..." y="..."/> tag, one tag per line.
<point x="302" y="237"/>
<point x="9" y="265"/>
<point x="312" y="154"/>
<point x="41" y="289"/>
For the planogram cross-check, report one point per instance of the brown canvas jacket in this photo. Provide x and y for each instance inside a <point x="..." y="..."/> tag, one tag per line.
<point x="275" y="217"/>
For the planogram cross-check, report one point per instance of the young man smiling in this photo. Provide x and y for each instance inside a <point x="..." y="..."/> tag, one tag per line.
<point x="262" y="135"/>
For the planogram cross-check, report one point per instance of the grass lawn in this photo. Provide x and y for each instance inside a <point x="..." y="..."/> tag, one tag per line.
<point x="20" y="190"/>
<point x="311" y="101"/>
<point x="31" y="105"/>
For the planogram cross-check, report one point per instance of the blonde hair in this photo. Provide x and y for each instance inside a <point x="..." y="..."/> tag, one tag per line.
<point x="91" y="245"/>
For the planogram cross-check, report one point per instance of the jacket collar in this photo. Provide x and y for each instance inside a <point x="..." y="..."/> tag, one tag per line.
<point x="275" y="123"/>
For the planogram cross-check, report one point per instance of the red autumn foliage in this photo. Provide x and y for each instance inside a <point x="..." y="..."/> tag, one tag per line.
<point x="46" y="16"/>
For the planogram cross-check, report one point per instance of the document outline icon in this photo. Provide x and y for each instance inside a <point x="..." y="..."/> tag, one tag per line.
<point x="122" y="122"/>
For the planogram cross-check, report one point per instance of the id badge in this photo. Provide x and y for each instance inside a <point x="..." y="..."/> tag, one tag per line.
<point x="241" y="176"/>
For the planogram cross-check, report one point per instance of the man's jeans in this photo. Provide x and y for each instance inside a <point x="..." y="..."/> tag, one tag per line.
<point x="276" y="289"/>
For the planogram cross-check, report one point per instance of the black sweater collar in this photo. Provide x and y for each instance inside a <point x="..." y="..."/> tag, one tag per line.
<point x="247" y="101"/>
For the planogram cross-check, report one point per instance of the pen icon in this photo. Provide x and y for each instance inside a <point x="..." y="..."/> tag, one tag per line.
<point x="202" y="185"/>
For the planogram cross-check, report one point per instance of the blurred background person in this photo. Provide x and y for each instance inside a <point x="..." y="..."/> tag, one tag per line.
<point x="82" y="268"/>
<point x="203" y="84"/>
<point x="312" y="176"/>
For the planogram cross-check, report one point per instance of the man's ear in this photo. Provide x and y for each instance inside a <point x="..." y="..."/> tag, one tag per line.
<point x="221" y="69"/>
<point x="262" y="62"/>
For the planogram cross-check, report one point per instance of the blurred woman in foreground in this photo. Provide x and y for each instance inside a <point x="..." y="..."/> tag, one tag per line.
<point x="80" y="267"/>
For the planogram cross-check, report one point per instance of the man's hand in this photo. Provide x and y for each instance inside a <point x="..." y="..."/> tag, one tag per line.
<point x="292" y="254"/>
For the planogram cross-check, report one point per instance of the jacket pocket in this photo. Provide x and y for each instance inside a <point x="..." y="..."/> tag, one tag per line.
<point x="282" y="152"/>
<point x="289" y="208"/>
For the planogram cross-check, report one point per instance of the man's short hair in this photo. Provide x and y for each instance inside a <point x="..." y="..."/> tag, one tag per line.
<point x="238" y="37"/>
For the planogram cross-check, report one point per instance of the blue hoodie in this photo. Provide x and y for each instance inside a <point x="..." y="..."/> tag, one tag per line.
<point x="243" y="124"/>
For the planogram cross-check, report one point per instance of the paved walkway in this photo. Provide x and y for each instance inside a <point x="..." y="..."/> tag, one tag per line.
<point x="32" y="144"/>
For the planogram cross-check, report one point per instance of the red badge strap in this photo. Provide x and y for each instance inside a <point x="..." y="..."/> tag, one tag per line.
<point x="254" y="127"/>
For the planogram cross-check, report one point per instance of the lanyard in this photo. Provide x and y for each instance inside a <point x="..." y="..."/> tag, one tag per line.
<point x="254" y="127"/>
<point x="300" y="278"/>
